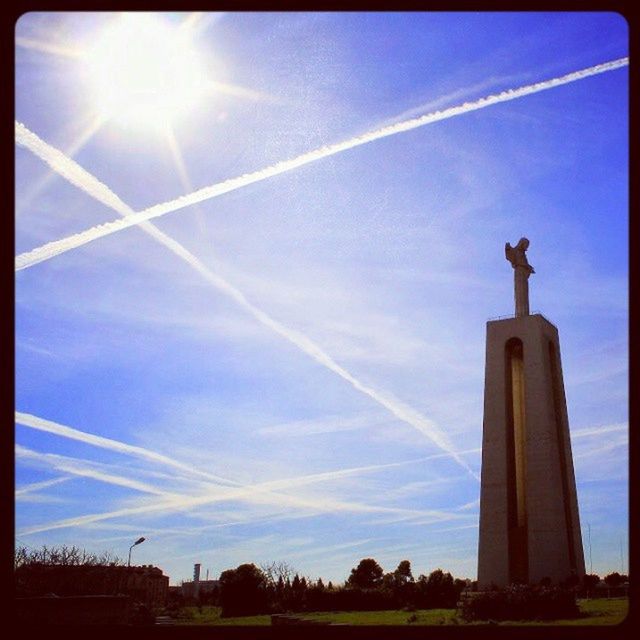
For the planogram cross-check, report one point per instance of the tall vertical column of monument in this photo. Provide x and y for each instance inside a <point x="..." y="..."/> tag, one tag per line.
<point x="529" y="522"/>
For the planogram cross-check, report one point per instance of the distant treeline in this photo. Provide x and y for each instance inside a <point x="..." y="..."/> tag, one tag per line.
<point x="275" y="588"/>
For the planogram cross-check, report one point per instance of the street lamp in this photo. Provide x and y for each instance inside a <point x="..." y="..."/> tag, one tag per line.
<point x="138" y="541"/>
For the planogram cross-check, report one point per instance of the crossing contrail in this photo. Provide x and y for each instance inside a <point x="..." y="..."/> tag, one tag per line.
<point x="51" y="249"/>
<point x="261" y="493"/>
<point x="76" y="467"/>
<point x="35" y="422"/>
<point x="88" y="183"/>
<point x="264" y="490"/>
<point x="81" y="178"/>
<point x="63" y="165"/>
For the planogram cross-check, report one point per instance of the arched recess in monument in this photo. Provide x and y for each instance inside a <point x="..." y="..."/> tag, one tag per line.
<point x="516" y="461"/>
<point x="558" y="403"/>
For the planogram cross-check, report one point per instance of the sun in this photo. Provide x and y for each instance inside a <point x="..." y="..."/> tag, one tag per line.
<point x="144" y="71"/>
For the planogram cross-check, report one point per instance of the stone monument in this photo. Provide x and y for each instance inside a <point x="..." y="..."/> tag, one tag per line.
<point x="529" y="522"/>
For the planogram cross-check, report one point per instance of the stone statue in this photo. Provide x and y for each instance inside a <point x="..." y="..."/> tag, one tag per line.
<point x="522" y="270"/>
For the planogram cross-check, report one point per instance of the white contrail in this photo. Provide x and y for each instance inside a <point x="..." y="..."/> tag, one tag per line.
<point x="92" y="127"/>
<point x="264" y="492"/>
<point x="81" y="178"/>
<point x="36" y="486"/>
<point x="57" y="247"/>
<point x="596" y="431"/>
<point x="71" y="170"/>
<point x="305" y="344"/>
<point x="185" y="502"/>
<point x="48" y="47"/>
<point x="78" y="468"/>
<point x="41" y="424"/>
<point x="64" y="431"/>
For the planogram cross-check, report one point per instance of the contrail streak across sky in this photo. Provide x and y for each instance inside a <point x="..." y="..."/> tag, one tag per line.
<point x="261" y="492"/>
<point x="51" y="249"/>
<point x="88" y="183"/>
<point x="48" y="426"/>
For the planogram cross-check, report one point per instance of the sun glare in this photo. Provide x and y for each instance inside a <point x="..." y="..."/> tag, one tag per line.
<point x="144" y="71"/>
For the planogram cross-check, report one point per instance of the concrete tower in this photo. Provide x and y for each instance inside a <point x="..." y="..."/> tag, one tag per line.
<point x="529" y="522"/>
<point x="196" y="579"/>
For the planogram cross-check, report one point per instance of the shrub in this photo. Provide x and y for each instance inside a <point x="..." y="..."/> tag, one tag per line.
<point x="521" y="602"/>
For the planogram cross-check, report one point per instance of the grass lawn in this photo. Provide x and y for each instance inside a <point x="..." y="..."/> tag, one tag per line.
<point x="211" y="616"/>
<point x="597" y="611"/>
<point x="420" y="617"/>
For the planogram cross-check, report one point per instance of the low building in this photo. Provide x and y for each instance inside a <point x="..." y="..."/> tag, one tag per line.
<point x="144" y="584"/>
<point x="191" y="589"/>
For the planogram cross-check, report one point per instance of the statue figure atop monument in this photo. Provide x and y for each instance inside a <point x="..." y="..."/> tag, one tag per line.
<point x="522" y="270"/>
<point x="529" y="520"/>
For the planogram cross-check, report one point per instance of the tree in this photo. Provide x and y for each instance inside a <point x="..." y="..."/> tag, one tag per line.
<point x="243" y="591"/>
<point x="589" y="582"/>
<point x="275" y="571"/>
<point x="613" y="579"/>
<point x="367" y="575"/>
<point x="298" y="587"/>
<point x="437" y="591"/>
<point x="61" y="556"/>
<point x="403" y="572"/>
<point x="400" y="584"/>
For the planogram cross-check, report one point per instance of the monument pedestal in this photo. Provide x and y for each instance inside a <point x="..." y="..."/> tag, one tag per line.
<point x="529" y="522"/>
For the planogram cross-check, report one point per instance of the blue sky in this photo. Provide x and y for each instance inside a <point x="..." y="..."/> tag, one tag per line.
<point x="304" y="382"/>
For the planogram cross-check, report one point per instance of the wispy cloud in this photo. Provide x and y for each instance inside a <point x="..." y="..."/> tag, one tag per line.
<point x="421" y="487"/>
<point x="49" y="47"/>
<point x="469" y="505"/>
<point x="601" y="449"/>
<point x="466" y="526"/>
<point x="330" y="424"/>
<point x="330" y="549"/>
<point x="597" y="431"/>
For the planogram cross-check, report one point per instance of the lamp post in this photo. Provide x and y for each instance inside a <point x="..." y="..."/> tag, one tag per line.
<point x="138" y="541"/>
